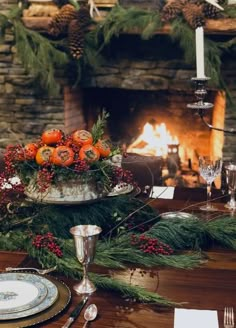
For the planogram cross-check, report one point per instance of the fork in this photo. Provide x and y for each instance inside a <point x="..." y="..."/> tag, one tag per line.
<point x="40" y="271"/>
<point x="228" y="317"/>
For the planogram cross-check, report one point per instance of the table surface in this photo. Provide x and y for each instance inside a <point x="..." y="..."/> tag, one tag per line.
<point x="211" y="286"/>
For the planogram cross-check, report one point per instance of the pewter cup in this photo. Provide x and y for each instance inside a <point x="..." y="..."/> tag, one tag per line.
<point x="85" y="238"/>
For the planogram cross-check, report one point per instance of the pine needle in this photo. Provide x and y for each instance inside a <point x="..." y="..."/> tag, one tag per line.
<point x="39" y="57"/>
<point x="182" y="32"/>
<point x="99" y="126"/>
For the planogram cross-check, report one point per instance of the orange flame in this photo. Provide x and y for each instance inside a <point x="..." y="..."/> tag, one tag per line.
<point x="153" y="141"/>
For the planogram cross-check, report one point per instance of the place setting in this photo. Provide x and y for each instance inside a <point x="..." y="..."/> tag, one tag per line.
<point x="28" y="298"/>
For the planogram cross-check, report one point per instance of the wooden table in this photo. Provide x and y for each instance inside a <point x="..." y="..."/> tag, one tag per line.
<point x="211" y="286"/>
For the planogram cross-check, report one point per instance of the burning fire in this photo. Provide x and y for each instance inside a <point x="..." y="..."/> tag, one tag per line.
<point x="153" y="141"/>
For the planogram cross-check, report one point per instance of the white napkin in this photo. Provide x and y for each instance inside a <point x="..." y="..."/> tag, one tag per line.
<point x="185" y="318"/>
<point x="162" y="192"/>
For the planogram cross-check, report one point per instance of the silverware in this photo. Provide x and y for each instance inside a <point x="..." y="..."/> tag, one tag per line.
<point x="40" y="271"/>
<point x="90" y="314"/>
<point x="229" y="317"/>
<point x="75" y="313"/>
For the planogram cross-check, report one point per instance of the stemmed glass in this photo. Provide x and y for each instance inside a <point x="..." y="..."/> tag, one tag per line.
<point x="209" y="168"/>
<point x="85" y="238"/>
<point x="230" y="171"/>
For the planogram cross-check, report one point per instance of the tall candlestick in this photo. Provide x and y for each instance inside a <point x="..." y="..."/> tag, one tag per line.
<point x="200" y="52"/>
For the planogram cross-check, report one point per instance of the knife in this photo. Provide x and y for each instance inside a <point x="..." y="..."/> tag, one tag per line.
<point x="75" y="313"/>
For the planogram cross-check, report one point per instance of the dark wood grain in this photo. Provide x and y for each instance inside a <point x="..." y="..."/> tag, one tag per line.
<point x="211" y="286"/>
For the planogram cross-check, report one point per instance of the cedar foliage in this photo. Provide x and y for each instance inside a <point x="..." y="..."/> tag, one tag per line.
<point x="39" y="56"/>
<point x="54" y="54"/>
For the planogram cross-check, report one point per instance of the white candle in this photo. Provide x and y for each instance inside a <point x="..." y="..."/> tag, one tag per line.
<point x="200" y="52"/>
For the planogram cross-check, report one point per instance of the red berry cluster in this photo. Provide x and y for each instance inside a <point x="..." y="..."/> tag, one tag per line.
<point x="7" y="188"/>
<point x="47" y="241"/>
<point x="81" y="166"/>
<point x="150" y="245"/>
<point x="119" y="174"/>
<point x="44" y="178"/>
<point x="10" y="156"/>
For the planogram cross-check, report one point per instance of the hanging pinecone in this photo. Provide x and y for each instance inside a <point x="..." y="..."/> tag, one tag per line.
<point x="76" y="37"/>
<point x="60" y="22"/>
<point x="83" y="16"/>
<point x="172" y="9"/>
<point x="76" y="32"/>
<point x="210" y="11"/>
<point x="193" y="15"/>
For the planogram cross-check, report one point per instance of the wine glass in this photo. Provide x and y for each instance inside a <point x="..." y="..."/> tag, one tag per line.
<point x="230" y="171"/>
<point x="210" y="168"/>
<point x="85" y="238"/>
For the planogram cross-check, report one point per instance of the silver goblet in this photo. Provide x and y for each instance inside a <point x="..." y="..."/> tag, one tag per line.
<point x="230" y="171"/>
<point x="85" y="238"/>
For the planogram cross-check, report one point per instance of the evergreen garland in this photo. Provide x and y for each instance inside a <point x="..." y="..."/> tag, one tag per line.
<point x="37" y="52"/>
<point x="42" y="57"/>
<point x="124" y="20"/>
<point x="118" y="252"/>
<point x="182" y="33"/>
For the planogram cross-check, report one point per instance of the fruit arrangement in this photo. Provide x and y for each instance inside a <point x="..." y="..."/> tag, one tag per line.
<point x="59" y="159"/>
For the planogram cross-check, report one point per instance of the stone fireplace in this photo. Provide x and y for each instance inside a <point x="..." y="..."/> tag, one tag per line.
<point x="135" y="87"/>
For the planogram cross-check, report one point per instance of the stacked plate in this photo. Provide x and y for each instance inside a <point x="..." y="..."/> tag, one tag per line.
<point x="27" y="295"/>
<point x="120" y="189"/>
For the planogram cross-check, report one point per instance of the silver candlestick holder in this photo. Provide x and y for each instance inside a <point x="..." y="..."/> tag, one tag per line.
<point x="201" y="105"/>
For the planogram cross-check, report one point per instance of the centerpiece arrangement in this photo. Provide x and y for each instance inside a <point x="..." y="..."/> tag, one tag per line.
<point x="74" y="168"/>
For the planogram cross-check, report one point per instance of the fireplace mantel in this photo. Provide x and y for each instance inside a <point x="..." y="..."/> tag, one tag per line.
<point x="224" y="26"/>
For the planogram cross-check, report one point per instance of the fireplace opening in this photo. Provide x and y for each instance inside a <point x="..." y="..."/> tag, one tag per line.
<point x="136" y="114"/>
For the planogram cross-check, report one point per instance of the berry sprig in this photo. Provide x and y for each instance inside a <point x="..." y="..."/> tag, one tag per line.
<point x="119" y="174"/>
<point x="81" y="166"/>
<point x="49" y="242"/>
<point x="150" y="245"/>
<point x="44" y="178"/>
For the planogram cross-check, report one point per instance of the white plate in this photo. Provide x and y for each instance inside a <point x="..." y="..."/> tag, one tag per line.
<point x="25" y="294"/>
<point x="120" y="189"/>
<point x="178" y="215"/>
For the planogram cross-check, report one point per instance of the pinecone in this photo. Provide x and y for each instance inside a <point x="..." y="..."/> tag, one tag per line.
<point x="193" y="15"/>
<point x="76" y="36"/>
<point x="210" y="11"/>
<point x="83" y="16"/>
<point x="172" y="9"/>
<point x="60" y="22"/>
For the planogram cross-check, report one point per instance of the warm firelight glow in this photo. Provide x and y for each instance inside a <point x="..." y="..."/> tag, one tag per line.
<point x="153" y="141"/>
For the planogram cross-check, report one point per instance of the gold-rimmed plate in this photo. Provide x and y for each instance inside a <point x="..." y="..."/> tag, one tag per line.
<point x="63" y="299"/>
<point x="23" y="294"/>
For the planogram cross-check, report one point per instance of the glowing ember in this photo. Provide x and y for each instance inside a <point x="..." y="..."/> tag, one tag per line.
<point x="153" y="141"/>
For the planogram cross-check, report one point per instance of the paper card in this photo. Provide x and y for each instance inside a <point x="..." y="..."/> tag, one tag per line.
<point x="162" y="192"/>
<point x="185" y="318"/>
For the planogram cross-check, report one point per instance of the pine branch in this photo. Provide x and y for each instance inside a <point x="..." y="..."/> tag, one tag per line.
<point x="182" y="32"/>
<point x="123" y="20"/>
<point x="98" y="127"/>
<point x="213" y="61"/>
<point x="223" y="230"/>
<point x="4" y="24"/>
<point x="230" y="11"/>
<point x="39" y="56"/>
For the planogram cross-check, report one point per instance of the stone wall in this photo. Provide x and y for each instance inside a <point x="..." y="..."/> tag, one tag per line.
<point x="24" y="112"/>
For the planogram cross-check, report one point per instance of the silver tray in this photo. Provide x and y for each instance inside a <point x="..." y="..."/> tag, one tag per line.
<point x="25" y="294"/>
